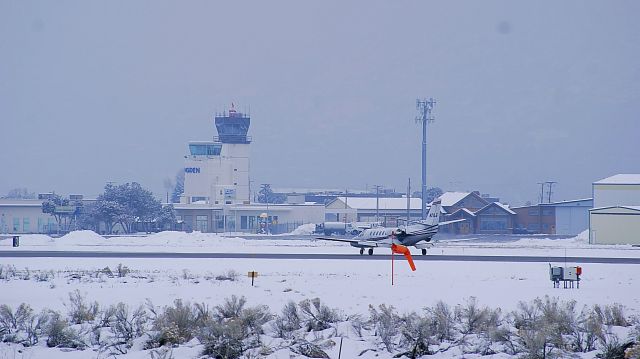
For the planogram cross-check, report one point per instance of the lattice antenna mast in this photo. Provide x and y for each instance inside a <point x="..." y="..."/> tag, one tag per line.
<point x="424" y="117"/>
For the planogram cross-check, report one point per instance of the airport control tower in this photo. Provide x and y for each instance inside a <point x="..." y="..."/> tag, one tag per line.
<point x="217" y="172"/>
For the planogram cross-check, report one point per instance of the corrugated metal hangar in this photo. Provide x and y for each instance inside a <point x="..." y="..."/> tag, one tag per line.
<point x="615" y="218"/>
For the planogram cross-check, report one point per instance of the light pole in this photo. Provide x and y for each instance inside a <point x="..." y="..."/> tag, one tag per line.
<point x="266" y="188"/>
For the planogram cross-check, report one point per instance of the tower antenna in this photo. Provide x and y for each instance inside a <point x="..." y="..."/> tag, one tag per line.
<point x="424" y="117"/>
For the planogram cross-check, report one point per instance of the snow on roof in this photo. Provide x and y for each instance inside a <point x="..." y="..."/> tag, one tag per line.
<point x="634" y="208"/>
<point x="464" y="210"/>
<point x="629" y="178"/>
<point x="384" y="203"/>
<point x="503" y="206"/>
<point x="451" y="198"/>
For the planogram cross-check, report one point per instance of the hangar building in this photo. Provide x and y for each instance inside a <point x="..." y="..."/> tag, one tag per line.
<point x="615" y="218"/>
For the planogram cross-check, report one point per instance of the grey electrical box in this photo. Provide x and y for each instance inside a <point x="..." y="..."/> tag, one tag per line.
<point x="567" y="275"/>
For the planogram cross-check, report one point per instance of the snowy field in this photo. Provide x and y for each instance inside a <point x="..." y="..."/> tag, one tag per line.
<point x="350" y="286"/>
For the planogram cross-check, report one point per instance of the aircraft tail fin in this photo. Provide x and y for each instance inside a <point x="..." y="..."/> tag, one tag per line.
<point x="434" y="213"/>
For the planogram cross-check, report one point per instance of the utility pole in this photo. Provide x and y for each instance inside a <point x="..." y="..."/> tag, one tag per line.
<point x="377" y="203"/>
<point x="550" y="183"/>
<point x="346" y="198"/>
<point x="408" y="202"/>
<point x="424" y="117"/>
<point x="541" y="191"/>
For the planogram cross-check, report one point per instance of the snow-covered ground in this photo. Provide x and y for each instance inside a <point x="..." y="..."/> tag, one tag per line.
<point x="348" y="285"/>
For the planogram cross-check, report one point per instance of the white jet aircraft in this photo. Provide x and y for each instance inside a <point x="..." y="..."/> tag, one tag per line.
<point x="417" y="234"/>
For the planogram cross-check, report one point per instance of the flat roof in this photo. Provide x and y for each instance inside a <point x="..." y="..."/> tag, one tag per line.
<point x="384" y="203"/>
<point x="623" y="178"/>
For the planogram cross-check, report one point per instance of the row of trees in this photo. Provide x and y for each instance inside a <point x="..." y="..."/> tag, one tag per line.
<point x="129" y="205"/>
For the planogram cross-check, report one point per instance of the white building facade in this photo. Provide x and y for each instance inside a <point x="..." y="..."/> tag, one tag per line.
<point x="217" y="172"/>
<point x="615" y="218"/>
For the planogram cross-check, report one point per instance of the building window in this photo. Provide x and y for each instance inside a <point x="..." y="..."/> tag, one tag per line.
<point x="40" y="225"/>
<point x="188" y="223"/>
<point x="202" y="223"/>
<point x="16" y="224"/>
<point x="219" y="219"/>
<point x="26" y="224"/>
<point x="534" y="212"/>
<point x="252" y="222"/>
<point x="547" y="212"/>
<point x="533" y="227"/>
<point x="243" y="222"/>
<point x="497" y="224"/>
<point x="51" y="225"/>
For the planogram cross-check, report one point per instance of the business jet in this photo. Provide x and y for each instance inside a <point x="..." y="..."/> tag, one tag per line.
<point x="417" y="234"/>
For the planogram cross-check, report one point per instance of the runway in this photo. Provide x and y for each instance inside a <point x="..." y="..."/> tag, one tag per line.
<point x="312" y="256"/>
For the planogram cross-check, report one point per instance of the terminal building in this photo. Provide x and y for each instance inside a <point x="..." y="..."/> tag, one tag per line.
<point x="216" y="194"/>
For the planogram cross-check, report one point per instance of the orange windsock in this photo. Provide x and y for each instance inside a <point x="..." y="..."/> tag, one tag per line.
<point x="400" y="249"/>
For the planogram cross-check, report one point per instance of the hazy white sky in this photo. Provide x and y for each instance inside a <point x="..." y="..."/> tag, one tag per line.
<point x="92" y="92"/>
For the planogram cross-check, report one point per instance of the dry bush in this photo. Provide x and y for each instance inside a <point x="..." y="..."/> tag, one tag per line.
<point x="443" y="320"/>
<point x="230" y="275"/>
<point x="386" y="323"/>
<point x="231" y="307"/>
<point x="176" y="324"/>
<point x="317" y="316"/>
<point x="11" y="322"/>
<point x="60" y="335"/>
<point x="224" y="340"/>
<point x="80" y="310"/>
<point x="234" y="328"/>
<point x="417" y="334"/>
<point x="122" y="270"/>
<point x="288" y="321"/>
<point x="127" y="325"/>
<point x="475" y="319"/>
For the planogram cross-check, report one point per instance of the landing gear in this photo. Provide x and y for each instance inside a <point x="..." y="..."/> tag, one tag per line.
<point x="424" y="251"/>
<point x="370" y="251"/>
<point x="361" y="251"/>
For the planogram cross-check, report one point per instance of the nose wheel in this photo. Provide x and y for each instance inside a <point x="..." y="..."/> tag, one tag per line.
<point x="424" y="251"/>
<point x="361" y="251"/>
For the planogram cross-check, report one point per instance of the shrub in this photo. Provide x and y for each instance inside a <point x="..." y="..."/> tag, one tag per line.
<point x="36" y="327"/>
<point x="80" y="310"/>
<point x="122" y="270"/>
<point x="317" y="316"/>
<point x="475" y="319"/>
<point x="127" y="326"/>
<point x="230" y="308"/>
<point x="59" y="334"/>
<point x="44" y="276"/>
<point x="176" y="324"/>
<point x="416" y="333"/>
<point x="443" y="321"/>
<point x="7" y="272"/>
<point x="224" y="340"/>
<point x="386" y="323"/>
<point x="231" y="275"/>
<point x="11" y="322"/>
<point x="288" y="321"/>
<point x="357" y="323"/>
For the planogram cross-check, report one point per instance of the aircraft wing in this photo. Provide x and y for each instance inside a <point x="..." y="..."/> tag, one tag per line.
<point x="450" y="222"/>
<point x="338" y="239"/>
<point x="357" y="243"/>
